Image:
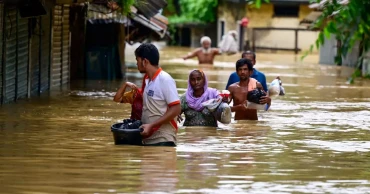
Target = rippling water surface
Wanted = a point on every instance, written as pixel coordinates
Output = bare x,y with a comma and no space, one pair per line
315,139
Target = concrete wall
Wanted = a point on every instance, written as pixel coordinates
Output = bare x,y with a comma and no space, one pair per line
366,65
276,38
328,51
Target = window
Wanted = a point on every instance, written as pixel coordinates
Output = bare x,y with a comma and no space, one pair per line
286,10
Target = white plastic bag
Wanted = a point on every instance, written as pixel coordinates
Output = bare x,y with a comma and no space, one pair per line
212,104
220,110
252,105
274,88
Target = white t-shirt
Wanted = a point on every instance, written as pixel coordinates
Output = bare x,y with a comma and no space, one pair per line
159,94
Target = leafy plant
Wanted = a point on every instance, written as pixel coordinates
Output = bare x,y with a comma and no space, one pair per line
349,23
194,11
126,5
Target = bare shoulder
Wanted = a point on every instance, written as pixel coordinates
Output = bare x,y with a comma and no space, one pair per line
233,86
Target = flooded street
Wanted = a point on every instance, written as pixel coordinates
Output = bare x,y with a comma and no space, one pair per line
316,139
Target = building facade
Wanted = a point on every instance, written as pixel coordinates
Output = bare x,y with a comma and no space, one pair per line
273,26
36,41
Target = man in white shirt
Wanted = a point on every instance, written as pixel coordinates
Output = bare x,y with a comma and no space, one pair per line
161,103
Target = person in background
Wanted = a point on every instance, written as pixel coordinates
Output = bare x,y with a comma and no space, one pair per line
206,53
161,105
229,43
191,102
239,90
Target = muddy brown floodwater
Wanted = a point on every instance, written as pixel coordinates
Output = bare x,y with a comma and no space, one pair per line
316,139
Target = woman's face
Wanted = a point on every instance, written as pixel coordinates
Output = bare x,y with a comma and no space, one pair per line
196,80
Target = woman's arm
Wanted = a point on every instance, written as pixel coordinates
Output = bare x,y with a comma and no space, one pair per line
121,91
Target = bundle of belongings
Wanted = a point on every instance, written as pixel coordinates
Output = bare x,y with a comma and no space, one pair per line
276,88
220,110
127,133
135,98
253,99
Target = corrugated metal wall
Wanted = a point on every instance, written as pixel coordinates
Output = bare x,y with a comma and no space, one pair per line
61,46
10,54
65,46
15,62
1,51
45,50
49,64
41,49
35,55
22,58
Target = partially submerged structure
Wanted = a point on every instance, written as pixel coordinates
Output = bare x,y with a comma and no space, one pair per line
44,44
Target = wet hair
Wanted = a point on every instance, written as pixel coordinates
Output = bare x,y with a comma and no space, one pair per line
148,51
242,62
249,53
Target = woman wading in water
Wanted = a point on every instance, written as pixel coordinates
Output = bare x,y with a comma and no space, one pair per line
191,102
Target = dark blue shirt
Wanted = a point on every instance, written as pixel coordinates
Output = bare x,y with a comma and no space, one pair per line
259,76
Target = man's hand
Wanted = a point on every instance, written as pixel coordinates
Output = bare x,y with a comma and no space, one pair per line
147,128
179,119
240,107
225,99
265,99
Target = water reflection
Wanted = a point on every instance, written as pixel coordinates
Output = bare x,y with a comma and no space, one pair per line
313,140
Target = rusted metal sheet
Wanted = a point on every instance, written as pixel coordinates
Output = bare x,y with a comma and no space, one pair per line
151,7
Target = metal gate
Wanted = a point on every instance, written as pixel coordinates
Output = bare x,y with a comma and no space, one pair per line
61,46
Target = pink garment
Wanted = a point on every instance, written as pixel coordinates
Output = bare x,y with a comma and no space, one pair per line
252,84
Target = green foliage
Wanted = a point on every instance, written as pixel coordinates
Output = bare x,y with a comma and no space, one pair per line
126,5
257,3
348,23
194,11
